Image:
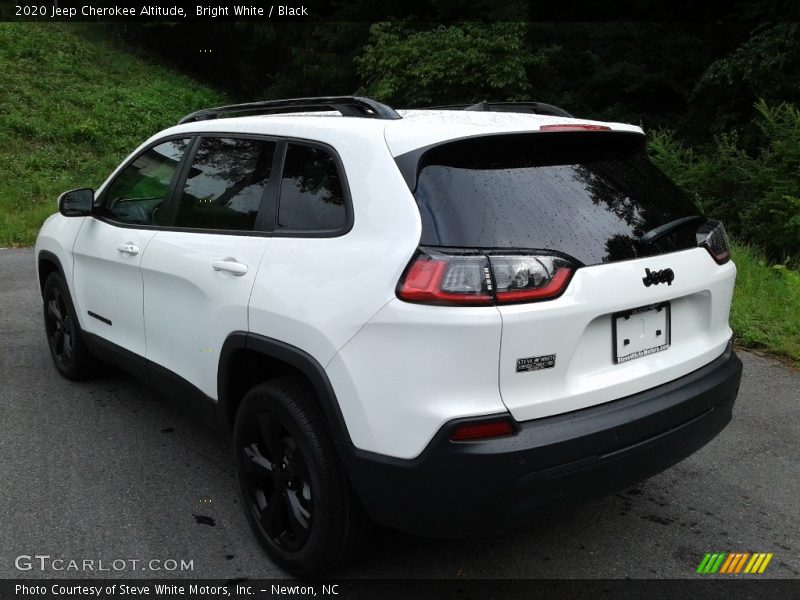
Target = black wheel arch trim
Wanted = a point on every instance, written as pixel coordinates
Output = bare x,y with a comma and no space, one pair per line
291,355
47,256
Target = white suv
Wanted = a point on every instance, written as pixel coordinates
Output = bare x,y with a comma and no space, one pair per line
444,321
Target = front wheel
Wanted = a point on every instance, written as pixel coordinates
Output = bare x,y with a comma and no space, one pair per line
294,492
69,353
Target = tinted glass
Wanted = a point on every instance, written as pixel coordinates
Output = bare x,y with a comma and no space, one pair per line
225,184
137,194
311,191
590,195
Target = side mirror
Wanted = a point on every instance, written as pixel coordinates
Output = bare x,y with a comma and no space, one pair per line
76,203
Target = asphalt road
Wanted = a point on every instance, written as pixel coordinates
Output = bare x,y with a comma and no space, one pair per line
108,470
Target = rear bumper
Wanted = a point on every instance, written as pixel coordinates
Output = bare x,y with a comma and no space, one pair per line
458,489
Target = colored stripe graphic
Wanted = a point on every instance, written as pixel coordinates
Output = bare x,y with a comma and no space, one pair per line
711,562
740,564
754,563
727,564
733,563
765,563
758,563
701,568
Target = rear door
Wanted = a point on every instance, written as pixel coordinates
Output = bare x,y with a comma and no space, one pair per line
632,315
198,274
109,248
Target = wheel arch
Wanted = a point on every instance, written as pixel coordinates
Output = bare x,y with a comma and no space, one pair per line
47,263
247,359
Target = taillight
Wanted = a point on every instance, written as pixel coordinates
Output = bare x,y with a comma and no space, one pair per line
482,278
438,278
481,431
526,278
711,236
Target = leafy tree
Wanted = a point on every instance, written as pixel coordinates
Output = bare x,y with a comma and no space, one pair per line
446,64
756,194
766,66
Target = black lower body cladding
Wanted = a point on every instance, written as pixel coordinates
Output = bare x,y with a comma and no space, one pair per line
458,489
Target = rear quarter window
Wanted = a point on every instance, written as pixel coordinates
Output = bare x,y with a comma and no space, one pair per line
311,192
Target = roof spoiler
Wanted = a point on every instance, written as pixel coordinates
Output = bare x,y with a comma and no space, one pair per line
537,108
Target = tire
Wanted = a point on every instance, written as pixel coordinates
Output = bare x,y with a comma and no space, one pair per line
64,337
293,490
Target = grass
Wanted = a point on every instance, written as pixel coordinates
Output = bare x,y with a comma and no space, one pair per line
766,305
74,104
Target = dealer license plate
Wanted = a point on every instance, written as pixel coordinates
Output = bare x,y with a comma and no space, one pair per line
641,332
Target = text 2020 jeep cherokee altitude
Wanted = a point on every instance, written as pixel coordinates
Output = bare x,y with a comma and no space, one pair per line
444,321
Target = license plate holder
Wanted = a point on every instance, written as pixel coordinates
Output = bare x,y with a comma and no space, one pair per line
640,332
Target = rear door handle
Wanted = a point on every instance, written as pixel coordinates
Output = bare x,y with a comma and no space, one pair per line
129,248
231,265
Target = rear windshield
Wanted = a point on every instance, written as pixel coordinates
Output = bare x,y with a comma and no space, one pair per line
590,195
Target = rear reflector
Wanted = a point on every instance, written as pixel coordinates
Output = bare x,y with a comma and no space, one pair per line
480,431
574,127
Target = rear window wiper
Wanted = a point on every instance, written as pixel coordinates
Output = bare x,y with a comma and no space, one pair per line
662,230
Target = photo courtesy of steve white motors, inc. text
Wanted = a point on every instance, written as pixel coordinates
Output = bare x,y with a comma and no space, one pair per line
200,10
171,589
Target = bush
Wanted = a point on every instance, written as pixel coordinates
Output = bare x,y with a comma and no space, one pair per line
758,195
766,305
447,64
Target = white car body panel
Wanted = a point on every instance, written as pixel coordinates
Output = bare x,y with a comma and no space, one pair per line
189,307
315,293
108,282
577,327
57,235
414,367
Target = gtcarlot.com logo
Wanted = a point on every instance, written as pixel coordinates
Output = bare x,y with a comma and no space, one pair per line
45,562
734,563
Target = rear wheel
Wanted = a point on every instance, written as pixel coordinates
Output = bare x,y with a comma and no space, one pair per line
70,355
294,492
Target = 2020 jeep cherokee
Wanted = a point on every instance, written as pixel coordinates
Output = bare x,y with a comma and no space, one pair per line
444,321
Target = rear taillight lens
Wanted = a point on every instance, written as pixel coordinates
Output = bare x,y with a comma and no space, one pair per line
529,278
437,278
711,236
482,278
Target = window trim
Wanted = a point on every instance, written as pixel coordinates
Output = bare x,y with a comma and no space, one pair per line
267,218
263,206
100,200
348,205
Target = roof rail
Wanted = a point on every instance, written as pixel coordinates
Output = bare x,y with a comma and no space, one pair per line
538,108
349,106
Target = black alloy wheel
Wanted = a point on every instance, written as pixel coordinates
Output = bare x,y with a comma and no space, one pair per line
294,491
60,327
64,337
277,483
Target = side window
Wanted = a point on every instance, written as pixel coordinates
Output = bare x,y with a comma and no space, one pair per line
137,194
225,184
311,191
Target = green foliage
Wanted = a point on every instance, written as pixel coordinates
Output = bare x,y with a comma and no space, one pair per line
74,105
766,304
321,65
756,195
765,66
447,64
